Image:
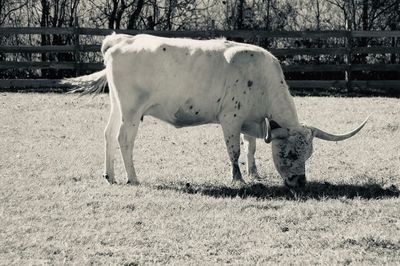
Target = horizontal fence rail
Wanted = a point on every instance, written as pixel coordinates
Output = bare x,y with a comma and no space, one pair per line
289,68
363,85
198,33
346,50
274,51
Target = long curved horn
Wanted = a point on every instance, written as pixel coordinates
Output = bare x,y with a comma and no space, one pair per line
318,133
267,130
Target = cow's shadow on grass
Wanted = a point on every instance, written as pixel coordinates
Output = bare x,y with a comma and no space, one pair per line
313,190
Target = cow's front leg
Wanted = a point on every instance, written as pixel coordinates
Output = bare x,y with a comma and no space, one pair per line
250,149
231,130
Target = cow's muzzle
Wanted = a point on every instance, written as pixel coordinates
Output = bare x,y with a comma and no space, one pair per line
296,181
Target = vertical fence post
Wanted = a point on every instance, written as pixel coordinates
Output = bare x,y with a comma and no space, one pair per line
77,54
348,61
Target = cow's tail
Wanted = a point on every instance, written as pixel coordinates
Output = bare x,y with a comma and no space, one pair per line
90,84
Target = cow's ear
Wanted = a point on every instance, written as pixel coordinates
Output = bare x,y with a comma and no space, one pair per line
274,125
271,126
280,133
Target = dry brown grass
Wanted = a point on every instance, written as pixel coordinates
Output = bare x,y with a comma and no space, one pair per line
56,209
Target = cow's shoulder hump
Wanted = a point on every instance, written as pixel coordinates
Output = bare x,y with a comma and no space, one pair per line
245,53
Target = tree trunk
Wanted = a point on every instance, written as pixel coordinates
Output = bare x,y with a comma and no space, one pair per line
395,26
44,20
113,14
169,14
268,22
119,14
318,15
363,42
240,10
364,15
135,15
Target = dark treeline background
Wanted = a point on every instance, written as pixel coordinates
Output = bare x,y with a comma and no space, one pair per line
179,15
199,14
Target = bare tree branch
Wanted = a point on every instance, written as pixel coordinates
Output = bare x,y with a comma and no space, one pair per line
5,16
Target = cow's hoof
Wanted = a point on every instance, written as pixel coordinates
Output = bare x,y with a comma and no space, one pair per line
238,183
132,182
256,179
109,179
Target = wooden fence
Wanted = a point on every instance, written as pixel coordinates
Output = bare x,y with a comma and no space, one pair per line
347,51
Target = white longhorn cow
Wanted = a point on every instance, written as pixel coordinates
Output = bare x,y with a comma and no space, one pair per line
189,82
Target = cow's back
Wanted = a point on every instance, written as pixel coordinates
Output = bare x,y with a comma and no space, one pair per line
187,81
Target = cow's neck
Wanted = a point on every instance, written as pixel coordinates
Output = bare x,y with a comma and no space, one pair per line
281,109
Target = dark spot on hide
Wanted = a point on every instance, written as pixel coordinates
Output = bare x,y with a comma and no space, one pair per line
191,107
233,98
141,119
234,115
219,99
197,113
164,49
251,54
281,81
237,81
239,105
249,83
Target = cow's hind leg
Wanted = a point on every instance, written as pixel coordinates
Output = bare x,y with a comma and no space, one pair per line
126,139
250,148
111,144
231,130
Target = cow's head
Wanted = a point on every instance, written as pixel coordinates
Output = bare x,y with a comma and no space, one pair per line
291,147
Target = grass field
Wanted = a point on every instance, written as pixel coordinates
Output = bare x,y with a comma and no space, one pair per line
56,209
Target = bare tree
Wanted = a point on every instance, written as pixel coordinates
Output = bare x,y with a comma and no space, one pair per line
268,15
57,13
112,10
115,13
367,14
135,14
240,11
119,13
8,7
